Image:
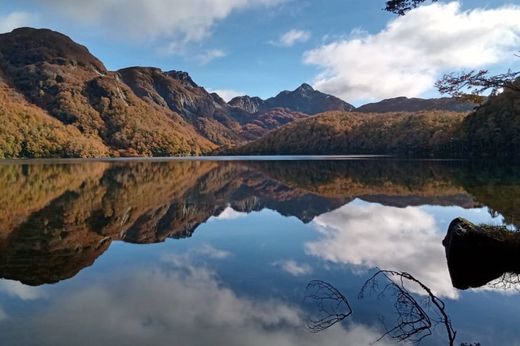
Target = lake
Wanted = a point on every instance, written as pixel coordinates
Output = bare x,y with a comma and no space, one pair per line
245,252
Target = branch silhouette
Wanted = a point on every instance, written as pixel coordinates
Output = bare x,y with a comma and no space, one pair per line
414,321
332,305
401,7
475,83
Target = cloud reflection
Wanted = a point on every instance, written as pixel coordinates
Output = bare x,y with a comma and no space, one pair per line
294,268
229,214
372,235
20,291
178,307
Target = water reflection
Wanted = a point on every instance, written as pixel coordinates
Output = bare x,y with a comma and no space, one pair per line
57,219
415,318
179,303
258,232
372,235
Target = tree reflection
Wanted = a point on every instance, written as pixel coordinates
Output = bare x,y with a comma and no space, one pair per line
57,219
416,317
332,306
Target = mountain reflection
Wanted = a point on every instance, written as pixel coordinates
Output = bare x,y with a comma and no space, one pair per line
57,219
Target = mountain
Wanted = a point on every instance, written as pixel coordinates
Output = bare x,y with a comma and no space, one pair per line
65,81
304,100
208,113
175,91
248,103
71,105
491,130
405,104
28,130
407,134
58,100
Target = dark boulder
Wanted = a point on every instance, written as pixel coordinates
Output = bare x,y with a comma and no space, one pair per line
478,255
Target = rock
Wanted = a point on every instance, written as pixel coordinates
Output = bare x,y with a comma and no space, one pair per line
478,255
247,103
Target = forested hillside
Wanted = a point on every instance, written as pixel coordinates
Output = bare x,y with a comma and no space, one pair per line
58,100
492,130
28,131
61,101
410,134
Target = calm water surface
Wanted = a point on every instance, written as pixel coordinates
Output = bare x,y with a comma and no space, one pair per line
221,253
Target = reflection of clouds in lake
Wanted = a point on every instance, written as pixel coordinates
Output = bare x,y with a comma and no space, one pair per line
177,308
211,252
372,235
294,268
229,214
21,291
196,255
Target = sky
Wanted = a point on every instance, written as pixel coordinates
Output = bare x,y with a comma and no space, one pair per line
349,48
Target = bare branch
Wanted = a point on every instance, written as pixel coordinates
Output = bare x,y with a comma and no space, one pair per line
332,306
414,323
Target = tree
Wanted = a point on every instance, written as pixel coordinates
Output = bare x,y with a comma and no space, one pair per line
474,83
464,84
416,317
332,306
400,7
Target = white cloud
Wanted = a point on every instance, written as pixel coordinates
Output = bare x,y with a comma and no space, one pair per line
198,255
211,252
373,235
227,95
179,21
172,307
3,315
292,37
294,268
210,55
228,213
15,20
410,53
21,291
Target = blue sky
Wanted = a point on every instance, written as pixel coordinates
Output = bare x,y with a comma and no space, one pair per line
236,46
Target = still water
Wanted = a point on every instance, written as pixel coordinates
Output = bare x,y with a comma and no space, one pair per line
222,252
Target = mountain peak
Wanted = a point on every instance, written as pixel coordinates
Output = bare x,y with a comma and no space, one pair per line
304,88
247,103
26,46
306,99
182,76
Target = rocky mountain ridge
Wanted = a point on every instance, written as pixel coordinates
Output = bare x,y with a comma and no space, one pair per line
140,111
303,99
61,101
